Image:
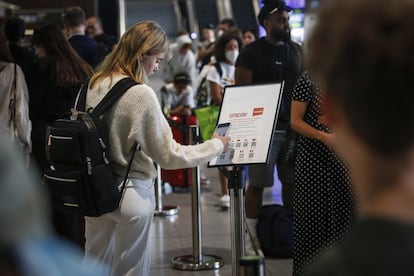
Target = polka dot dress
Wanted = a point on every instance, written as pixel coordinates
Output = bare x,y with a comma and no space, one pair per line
323,201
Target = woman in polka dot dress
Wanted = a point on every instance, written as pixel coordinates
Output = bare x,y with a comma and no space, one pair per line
323,201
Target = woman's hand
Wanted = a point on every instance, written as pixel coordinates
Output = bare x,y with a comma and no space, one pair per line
327,138
224,139
324,120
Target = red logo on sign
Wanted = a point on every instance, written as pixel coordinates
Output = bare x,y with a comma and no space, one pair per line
258,111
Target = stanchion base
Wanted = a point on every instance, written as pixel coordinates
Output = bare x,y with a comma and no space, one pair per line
188,262
167,211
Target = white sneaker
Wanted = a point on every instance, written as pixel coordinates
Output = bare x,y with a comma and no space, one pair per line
250,248
225,201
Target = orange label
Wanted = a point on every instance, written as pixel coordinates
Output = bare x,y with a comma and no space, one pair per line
258,111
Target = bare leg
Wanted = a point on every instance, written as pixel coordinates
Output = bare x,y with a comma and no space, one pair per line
223,183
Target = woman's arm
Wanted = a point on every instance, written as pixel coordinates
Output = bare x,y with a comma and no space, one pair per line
298,124
243,75
216,92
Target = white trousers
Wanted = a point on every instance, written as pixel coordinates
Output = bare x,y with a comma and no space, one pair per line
121,238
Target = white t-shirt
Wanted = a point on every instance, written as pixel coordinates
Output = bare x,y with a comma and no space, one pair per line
172,99
227,77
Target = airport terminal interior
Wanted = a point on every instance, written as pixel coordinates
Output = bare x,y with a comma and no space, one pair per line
172,235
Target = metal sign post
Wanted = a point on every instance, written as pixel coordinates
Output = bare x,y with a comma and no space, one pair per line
196,261
236,185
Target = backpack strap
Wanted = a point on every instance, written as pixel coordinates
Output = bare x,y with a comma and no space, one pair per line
113,95
80,104
218,68
133,150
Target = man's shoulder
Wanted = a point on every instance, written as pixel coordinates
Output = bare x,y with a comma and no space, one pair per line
255,44
295,46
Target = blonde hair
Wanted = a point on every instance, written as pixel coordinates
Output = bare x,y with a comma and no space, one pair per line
143,38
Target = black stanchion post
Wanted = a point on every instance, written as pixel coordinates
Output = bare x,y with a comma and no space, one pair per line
252,266
236,185
196,261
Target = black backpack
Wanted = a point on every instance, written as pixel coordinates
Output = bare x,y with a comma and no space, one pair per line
202,92
79,176
275,231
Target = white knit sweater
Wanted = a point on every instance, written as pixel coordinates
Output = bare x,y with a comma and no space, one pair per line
137,116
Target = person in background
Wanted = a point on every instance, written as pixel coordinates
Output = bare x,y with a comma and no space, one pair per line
207,45
225,25
14,30
14,100
273,58
369,104
121,238
177,97
226,52
323,202
94,29
54,81
208,35
183,59
249,35
28,246
75,27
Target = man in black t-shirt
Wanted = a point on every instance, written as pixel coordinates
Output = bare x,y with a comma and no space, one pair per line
273,58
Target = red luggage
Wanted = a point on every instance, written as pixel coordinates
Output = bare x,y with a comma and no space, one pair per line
180,129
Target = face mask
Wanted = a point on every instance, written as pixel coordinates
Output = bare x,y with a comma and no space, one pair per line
232,56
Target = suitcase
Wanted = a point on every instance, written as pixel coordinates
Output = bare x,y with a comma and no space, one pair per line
180,129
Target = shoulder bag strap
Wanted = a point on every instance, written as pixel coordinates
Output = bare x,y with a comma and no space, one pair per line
134,149
12,104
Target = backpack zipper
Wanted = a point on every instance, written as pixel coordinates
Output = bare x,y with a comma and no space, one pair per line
104,151
72,180
49,140
89,165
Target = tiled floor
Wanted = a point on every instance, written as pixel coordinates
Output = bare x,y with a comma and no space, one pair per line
172,235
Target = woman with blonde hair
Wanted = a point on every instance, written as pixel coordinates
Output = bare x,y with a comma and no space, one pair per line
121,238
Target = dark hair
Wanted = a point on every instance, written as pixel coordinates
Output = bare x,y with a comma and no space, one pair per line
369,70
208,26
230,22
65,64
219,51
271,6
5,54
182,78
14,29
251,30
73,16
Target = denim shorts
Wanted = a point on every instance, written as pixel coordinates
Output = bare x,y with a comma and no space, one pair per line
261,175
